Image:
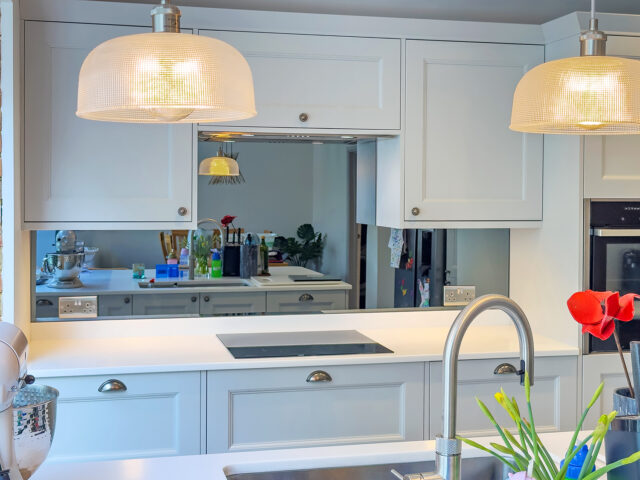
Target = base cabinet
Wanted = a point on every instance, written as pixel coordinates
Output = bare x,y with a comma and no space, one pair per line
284,408
598,368
554,395
157,415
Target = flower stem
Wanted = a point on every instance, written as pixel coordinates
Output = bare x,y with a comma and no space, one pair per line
624,364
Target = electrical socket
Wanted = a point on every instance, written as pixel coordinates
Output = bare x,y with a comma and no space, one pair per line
457,295
78,307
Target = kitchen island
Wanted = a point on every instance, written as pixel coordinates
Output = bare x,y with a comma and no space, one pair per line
119,295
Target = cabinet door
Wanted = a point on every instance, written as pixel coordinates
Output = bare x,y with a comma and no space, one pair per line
597,368
157,415
166,304
280,408
612,162
81,171
554,395
114,305
461,160
337,82
232,303
306,301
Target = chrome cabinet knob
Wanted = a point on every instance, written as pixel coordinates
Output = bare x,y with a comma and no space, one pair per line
303,117
111,386
415,211
127,300
182,211
305,297
319,376
194,299
206,299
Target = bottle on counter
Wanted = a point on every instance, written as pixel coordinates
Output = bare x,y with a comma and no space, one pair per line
216,264
248,258
264,258
184,257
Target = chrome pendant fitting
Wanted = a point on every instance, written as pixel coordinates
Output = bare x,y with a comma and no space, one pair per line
166,18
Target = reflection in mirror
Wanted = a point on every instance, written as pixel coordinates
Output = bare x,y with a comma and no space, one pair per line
284,240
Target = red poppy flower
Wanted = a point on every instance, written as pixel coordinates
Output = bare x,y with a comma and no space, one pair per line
596,311
227,219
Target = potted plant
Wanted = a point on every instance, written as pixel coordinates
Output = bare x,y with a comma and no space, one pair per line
526,455
300,251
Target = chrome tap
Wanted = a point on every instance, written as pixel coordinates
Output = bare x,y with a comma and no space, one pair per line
190,235
448,447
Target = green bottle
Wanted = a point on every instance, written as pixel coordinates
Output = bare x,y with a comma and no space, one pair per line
264,254
216,264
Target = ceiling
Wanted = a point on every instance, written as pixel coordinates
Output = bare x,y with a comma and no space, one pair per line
516,11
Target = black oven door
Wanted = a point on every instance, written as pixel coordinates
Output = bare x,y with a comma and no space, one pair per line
615,266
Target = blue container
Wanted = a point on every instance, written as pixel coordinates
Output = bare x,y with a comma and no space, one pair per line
573,472
162,271
174,271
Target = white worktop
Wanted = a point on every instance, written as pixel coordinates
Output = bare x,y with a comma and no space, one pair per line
114,282
126,346
215,467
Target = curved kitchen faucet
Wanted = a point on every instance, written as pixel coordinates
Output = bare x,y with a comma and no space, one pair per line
192,257
448,447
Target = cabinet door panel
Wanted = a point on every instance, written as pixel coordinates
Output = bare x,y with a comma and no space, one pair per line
310,301
80,170
277,408
339,82
232,303
612,162
166,304
158,415
597,368
461,160
554,395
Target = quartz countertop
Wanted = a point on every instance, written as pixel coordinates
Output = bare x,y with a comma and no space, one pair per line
217,466
114,282
126,346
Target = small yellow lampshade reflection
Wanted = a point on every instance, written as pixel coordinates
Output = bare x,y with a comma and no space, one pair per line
219,166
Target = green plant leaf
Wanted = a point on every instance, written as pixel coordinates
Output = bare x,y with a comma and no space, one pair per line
489,451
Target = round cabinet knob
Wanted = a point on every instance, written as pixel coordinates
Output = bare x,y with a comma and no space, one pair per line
111,386
182,211
194,299
415,211
206,299
303,117
127,300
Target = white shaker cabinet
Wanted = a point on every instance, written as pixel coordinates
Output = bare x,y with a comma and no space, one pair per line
612,162
554,395
159,414
598,368
321,82
80,173
312,406
462,163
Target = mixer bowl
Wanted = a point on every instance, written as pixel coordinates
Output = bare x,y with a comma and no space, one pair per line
65,267
34,423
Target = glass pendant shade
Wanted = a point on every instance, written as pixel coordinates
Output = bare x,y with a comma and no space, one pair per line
165,77
220,166
587,95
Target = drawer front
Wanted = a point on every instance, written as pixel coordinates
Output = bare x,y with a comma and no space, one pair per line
166,304
115,305
278,408
232,303
311,81
46,306
554,395
157,415
306,301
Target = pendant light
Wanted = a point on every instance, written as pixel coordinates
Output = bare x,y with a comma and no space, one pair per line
165,77
587,95
222,168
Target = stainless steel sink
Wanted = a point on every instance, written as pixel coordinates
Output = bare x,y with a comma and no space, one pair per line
482,468
223,282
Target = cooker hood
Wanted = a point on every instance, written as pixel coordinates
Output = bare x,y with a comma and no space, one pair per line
211,136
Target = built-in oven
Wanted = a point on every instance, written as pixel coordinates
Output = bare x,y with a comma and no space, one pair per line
614,262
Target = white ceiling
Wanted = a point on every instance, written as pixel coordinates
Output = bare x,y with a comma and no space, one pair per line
517,11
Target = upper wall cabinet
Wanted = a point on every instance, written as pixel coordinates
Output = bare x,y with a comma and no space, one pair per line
462,163
612,162
310,81
81,172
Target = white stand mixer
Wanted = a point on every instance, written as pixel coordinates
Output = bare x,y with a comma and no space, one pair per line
27,412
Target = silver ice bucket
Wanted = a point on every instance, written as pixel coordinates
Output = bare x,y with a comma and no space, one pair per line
34,423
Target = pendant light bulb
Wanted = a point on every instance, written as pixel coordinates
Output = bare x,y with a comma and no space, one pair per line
592,94
165,77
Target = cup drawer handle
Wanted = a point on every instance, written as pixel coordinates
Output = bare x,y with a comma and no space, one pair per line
112,385
44,301
305,297
506,369
319,376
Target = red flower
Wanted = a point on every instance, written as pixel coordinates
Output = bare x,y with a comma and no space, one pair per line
227,219
596,311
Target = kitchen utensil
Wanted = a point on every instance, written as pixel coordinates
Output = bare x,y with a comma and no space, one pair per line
635,366
65,241
89,257
64,268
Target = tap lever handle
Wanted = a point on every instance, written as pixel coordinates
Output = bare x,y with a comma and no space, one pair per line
395,473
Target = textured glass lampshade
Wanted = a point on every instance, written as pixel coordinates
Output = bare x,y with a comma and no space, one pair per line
165,77
219,166
588,95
